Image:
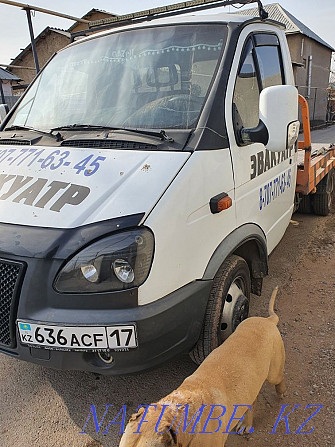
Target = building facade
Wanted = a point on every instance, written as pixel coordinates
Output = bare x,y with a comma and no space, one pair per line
48,42
311,59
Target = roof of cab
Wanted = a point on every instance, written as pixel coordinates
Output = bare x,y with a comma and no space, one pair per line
184,18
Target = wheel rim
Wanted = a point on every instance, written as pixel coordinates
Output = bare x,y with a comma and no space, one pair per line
235,308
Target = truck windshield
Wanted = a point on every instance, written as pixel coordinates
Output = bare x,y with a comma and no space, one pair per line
143,78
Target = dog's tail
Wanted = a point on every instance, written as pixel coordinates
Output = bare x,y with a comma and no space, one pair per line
273,316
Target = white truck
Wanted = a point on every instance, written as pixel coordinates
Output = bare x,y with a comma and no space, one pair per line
146,175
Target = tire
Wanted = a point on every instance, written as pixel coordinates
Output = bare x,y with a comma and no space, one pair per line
305,205
322,199
227,306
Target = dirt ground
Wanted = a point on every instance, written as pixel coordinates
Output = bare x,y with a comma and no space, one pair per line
42,407
304,267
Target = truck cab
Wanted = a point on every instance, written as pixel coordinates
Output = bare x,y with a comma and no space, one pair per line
146,175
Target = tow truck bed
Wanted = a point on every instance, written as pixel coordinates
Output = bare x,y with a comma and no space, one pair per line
314,160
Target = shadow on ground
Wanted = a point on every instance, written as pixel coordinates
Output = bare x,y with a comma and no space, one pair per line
132,390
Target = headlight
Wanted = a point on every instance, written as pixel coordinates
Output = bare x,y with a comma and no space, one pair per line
117,262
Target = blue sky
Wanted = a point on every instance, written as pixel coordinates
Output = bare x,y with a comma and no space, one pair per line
317,15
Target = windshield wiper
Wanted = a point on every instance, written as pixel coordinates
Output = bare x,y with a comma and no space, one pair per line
162,134
79,127
57,136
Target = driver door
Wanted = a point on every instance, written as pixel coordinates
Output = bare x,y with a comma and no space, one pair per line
264,183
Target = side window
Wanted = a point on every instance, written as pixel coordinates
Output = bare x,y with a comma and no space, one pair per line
246,93
270,67
260,67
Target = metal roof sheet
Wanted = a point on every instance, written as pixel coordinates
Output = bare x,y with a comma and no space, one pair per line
6,75
89,13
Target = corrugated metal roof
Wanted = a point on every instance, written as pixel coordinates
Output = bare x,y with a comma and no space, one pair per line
89,13
61,31
102,10
293,25
6,75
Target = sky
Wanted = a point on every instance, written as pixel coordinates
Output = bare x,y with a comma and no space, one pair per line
14,34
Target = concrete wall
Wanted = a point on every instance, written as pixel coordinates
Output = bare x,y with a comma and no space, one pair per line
8,93
6,87
301,47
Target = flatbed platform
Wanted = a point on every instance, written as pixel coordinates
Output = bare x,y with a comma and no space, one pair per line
319,150
315,160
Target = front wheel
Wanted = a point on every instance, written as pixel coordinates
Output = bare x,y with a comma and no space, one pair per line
227,306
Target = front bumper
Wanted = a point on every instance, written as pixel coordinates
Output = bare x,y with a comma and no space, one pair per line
165,328
31,257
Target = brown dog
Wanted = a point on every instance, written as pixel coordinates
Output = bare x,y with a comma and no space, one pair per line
218,393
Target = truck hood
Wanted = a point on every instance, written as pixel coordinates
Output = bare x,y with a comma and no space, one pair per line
57,188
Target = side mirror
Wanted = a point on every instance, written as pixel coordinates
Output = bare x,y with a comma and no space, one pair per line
278,127
3,112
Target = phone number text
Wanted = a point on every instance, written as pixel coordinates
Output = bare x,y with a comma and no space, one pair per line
274,188
50,160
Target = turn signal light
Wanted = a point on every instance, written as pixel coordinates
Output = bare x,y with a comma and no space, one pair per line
220,202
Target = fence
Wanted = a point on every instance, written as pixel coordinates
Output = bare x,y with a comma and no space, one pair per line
11,100
319,103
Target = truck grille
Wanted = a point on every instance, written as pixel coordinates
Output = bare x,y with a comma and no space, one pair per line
10,281
10,142
110,144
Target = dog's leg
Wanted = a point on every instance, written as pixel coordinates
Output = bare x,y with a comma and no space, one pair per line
277,365
281,389
245,426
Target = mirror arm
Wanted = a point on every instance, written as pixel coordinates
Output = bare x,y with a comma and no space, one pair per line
257,134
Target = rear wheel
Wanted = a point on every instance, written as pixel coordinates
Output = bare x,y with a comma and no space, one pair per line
305,205
322,199
228,305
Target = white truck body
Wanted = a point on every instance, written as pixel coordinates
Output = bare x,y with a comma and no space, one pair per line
83,194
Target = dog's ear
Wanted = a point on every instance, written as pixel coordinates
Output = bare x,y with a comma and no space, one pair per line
173,436
135,416
170,437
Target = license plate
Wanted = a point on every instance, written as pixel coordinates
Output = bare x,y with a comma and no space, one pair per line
78,338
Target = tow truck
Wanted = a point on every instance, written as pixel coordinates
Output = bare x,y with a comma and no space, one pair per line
147,174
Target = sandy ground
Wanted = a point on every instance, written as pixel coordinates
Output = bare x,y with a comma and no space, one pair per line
43,407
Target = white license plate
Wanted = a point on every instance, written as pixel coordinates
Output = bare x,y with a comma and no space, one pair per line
78,338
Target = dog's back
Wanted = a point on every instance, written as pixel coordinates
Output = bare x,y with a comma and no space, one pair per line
232,374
